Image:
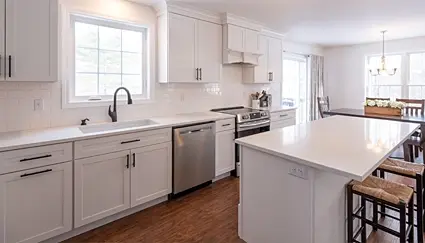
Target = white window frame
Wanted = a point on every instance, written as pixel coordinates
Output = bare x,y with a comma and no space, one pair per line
405,72
69,100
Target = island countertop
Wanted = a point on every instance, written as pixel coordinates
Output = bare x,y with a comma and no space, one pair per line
348,146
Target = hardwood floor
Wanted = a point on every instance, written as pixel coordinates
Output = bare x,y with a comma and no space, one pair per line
208,215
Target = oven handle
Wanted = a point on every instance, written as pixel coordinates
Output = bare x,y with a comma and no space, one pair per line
255,124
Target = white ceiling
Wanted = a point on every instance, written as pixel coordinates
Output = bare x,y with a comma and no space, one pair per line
327,22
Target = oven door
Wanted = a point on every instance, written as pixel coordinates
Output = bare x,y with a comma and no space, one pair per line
248,129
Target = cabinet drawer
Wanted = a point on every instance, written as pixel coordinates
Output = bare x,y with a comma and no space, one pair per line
282,123
98,146
23,159
282,115
224,125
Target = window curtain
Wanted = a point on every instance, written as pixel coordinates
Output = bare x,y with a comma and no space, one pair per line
317,84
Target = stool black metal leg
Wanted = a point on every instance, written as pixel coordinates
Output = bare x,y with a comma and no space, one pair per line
382,175
403,224
363,221
411,212
419,207
350,214
375,208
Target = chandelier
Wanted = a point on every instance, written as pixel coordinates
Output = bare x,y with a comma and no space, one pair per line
382,70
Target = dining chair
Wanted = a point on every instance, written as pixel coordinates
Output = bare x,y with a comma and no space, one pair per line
323,105
414,107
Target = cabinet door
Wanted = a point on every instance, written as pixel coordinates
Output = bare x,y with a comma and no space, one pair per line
251,41
32,40
282,124
235,38
210,52
224,152
182,36
2,35
102,186
36,204
275,53
261,73
151,173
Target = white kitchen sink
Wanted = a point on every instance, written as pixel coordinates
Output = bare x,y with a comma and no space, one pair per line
116,126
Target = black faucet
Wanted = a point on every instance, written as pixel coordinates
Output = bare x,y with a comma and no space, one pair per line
113,114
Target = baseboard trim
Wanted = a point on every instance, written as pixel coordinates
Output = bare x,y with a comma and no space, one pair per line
107,220
220,177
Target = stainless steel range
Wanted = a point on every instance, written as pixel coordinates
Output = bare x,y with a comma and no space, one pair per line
248,122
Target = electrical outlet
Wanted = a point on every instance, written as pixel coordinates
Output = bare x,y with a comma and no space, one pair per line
38,104
300,172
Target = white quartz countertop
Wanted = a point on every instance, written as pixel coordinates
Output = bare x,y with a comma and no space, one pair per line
348,146
279,108
22,139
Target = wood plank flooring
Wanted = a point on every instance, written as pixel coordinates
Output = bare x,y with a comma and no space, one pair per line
208,216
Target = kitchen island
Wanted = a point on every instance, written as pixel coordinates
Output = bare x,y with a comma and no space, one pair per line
292,186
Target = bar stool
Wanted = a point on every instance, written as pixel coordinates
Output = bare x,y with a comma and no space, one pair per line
408,170
377,190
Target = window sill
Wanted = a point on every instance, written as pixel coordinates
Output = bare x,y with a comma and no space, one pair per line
103,103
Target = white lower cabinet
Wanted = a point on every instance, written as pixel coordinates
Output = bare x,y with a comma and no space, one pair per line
151,173
36,204
282,124
111,183
224,152
102,186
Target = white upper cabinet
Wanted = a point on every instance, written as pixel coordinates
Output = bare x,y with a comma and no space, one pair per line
251,41
189,49
235,38
182,47
31,40
269,67
2,46
209,51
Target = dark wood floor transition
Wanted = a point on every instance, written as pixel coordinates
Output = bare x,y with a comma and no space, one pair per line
209,215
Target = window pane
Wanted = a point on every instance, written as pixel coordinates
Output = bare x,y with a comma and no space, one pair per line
86,35
110,39
85,84
110,62
417,68
132,63
108,83
86,60
415,92
133,83
132,41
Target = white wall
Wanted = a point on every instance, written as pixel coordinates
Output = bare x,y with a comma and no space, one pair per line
345,69
17,99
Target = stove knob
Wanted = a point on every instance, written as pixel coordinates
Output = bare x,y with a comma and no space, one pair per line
245,117
264,114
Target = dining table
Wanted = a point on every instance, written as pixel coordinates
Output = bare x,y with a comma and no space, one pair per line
410,118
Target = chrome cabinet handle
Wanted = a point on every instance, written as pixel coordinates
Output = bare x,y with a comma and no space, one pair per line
197,74
271,76
201,74
36,173
284,115
128,161
134,160
226,125
132,141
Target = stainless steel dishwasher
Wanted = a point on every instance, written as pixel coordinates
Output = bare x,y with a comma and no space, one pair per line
193,156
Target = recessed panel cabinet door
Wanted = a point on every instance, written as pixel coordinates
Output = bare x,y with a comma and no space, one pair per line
210,57
275,59
224,152
182,39
2,34
102,186
36,204
32,40
151,173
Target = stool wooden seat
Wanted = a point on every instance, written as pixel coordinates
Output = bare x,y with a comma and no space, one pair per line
409,170
377,190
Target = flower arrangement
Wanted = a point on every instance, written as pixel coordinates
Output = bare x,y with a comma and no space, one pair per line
385,104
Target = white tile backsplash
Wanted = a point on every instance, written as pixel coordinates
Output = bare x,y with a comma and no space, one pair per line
17,102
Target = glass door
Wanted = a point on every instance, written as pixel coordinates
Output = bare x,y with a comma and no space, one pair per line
295,86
